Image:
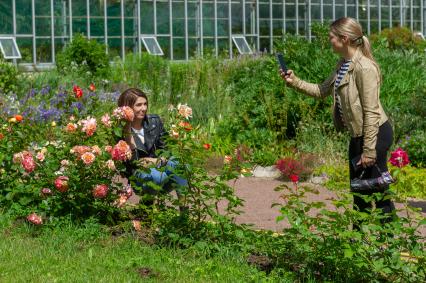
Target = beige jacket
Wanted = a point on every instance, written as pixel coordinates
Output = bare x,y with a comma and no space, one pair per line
359,95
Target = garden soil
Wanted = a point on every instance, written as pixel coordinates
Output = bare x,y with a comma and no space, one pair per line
259,194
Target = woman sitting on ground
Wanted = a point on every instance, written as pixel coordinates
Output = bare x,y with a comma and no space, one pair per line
145,135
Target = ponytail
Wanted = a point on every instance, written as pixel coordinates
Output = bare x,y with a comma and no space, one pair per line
365,47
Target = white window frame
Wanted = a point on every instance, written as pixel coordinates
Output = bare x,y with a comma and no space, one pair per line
143,37
14,46
234,39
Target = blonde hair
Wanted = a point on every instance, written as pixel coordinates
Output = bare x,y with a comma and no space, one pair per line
352,29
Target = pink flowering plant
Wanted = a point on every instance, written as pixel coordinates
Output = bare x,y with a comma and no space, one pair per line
68,167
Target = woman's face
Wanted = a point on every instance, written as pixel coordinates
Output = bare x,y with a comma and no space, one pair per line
140,107
337,43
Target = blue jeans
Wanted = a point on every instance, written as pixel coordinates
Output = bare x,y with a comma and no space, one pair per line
164,178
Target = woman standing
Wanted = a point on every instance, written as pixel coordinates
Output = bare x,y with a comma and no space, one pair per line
355,86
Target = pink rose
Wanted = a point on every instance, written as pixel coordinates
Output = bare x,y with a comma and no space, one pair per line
35,219
100,191
61,184
399,158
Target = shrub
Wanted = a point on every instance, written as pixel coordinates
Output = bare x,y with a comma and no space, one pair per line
8,77
400,38
410,181
84,56
415,145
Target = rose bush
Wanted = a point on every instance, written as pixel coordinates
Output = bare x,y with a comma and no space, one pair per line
70,166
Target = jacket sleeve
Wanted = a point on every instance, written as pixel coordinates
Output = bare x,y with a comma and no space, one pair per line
161,143
315,90
367,82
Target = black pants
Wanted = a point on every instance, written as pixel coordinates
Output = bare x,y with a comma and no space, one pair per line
384,141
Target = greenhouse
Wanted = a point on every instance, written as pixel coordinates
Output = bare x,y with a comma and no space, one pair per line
32,32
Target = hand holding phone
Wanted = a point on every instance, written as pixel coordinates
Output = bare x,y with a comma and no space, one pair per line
281,61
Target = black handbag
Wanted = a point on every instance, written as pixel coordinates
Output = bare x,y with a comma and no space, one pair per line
373,184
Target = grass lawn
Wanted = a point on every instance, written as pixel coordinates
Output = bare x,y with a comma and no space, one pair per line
86,254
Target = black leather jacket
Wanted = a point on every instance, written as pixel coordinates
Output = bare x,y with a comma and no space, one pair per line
154,134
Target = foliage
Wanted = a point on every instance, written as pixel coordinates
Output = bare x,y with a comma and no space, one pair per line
415,145
201,218
83,56
400,38
319,244
410,181
8,77
337,175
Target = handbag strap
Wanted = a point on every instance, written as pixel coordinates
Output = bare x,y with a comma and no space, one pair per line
375,165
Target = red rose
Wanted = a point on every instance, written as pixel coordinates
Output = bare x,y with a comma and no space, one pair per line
207,146
92,87
77,91
294,178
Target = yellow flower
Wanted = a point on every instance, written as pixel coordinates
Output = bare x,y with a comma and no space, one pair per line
12,120
53,124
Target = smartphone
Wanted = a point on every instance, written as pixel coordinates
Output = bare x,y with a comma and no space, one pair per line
281,61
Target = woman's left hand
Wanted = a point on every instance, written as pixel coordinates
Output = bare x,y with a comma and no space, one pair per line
366,161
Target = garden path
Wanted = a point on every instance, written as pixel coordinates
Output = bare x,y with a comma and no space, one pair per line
258,195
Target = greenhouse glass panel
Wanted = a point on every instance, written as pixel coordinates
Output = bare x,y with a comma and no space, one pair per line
147,18
79,8
208,10
163,18
6,23
114,8
43,26
96,8
192,27
130,8
79,25
222,11
23,17
222,28
25,48
178,49
178,27
151,45
277,11
97,27
178,10
242,45
192,10
44,50
263,11
208,27
130,27
8,48
114,27
114,48
42,7
130,45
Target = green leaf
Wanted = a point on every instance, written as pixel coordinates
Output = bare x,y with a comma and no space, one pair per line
348,252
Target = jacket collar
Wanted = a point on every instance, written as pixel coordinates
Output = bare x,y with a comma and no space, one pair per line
357,56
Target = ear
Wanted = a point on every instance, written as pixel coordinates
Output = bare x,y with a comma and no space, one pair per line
345,39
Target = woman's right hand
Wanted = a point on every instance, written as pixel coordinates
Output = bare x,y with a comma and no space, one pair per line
288,77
